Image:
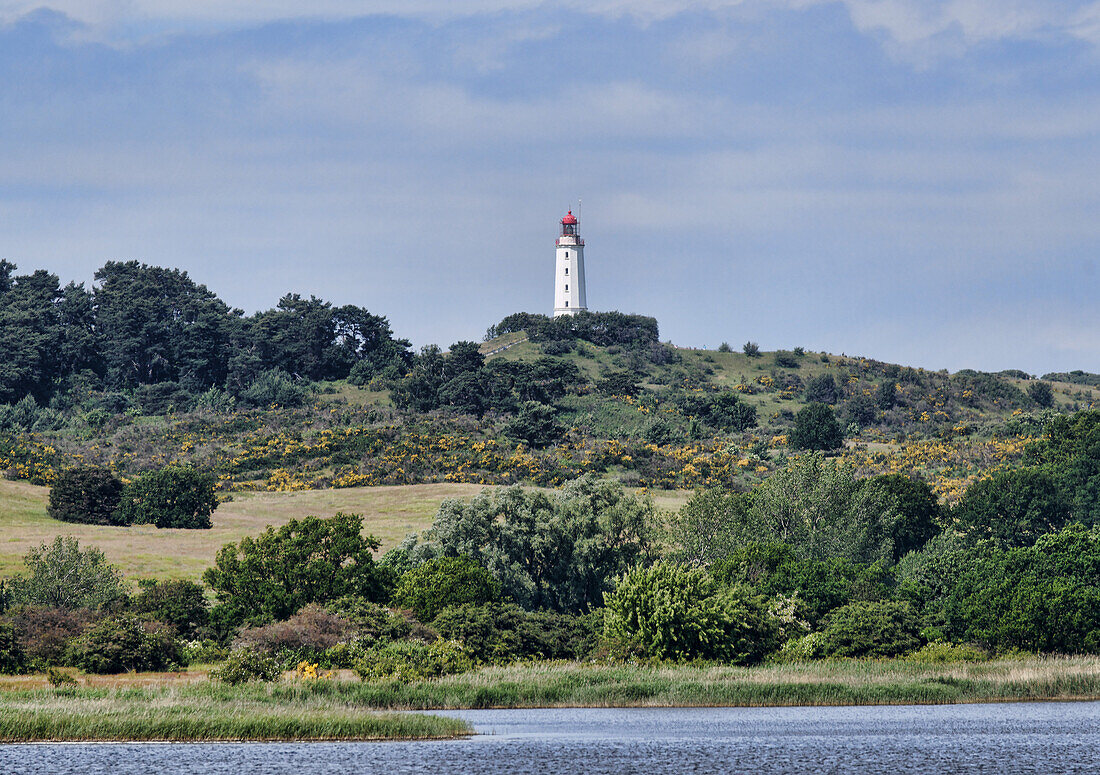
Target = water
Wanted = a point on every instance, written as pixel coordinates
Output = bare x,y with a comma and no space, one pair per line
1044,738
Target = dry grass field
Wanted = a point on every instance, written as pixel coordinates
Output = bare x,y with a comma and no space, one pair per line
143,551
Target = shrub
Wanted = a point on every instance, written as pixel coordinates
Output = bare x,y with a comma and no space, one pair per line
311,560
536,424
312,629
12,658
751,349
1015,507
725,348
867,629
274,388
59,678
45,632
371,620
503,632
124,643
413,660
786,360
62,575
941,651
618,383
816,428
244,665
87,494
809,646
822,389
918,510
179,603
668,612
442,582
173,497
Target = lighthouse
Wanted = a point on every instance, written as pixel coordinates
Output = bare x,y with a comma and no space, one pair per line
569,298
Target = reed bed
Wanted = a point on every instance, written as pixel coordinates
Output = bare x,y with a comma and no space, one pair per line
853,682
192,713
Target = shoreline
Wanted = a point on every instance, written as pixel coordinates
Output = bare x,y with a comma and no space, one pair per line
186,708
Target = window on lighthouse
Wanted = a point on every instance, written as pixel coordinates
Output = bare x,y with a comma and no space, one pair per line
567,254
567,288
567,270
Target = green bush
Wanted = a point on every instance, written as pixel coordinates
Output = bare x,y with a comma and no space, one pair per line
244,665
668,612
444,581
173,497
87,494
1015,507
124,644
414,660
816,428
45,632
12,658
941,651
503,632
179,603
536,424
751,349
871,629
274,388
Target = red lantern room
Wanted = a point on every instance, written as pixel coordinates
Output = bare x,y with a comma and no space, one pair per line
569,225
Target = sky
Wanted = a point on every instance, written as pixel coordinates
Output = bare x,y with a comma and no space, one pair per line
916,181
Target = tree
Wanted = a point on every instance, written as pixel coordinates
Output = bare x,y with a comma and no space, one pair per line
536,424
311,560
669,612
124,643
885,628
178,602
751,349
556,551
87,494
63,575
816,428
710,526
1041,393
886,397
618,383
173,497
444,581
917,507
821,511
1015,507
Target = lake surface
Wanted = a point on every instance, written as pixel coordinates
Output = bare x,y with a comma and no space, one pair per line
1016,738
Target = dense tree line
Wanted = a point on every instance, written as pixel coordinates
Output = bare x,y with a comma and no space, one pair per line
156,331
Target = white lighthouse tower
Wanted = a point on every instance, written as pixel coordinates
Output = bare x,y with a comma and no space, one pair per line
569,298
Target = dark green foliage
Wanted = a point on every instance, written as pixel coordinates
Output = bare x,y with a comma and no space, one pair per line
27,415
125,644
822,389
1015,507
985,387
751,349
786,360
311,560
871,629
536,424
303,635
858,409
618,383
503,632
1077,377
725,348
245,665
414,660
1043,597
917,508
444,581
178,603
816,427
547,550
274,387
886,396
12,658
669,612
710,526
1042,393
87,494
172,497
818,586
721,409
62,575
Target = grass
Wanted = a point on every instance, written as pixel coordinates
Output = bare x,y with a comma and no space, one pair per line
822,683
205,712
143,551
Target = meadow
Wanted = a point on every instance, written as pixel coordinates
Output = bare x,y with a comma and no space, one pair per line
143,551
